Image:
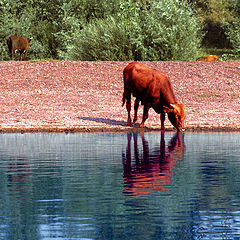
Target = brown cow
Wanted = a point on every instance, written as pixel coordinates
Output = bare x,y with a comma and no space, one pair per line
209,58
154,90
20,44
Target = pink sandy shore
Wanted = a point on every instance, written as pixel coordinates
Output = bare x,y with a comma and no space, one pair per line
76,96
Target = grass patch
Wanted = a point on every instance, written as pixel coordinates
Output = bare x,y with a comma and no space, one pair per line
209,95
224,54
44,60
203,95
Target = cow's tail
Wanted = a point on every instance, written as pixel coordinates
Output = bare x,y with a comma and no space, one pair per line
125,79
9,43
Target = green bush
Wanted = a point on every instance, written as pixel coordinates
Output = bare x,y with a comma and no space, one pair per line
162,30
10,27
102,29
76,14
171,31
103,39
232,31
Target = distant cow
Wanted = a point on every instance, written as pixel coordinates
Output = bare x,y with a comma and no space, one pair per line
20,44
154,90
209,58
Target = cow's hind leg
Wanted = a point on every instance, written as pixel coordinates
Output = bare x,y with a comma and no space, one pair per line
128,106
12,54
136,105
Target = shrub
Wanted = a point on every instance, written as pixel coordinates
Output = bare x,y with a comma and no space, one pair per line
9,25
103,39
172,32
76,14
161,30
233,33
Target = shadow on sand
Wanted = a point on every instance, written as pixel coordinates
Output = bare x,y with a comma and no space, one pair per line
104,120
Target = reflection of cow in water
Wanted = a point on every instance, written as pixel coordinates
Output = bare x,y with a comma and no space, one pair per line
151,172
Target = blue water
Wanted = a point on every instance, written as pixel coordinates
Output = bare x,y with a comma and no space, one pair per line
119,186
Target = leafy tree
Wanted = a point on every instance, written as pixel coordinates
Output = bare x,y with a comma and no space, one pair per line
11,21
103,29
45,24
172,31
213,14
159,30
232,29
76,14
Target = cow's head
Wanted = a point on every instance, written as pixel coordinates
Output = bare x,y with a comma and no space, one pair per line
176,115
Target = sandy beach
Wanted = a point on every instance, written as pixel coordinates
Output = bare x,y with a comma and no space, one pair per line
75,96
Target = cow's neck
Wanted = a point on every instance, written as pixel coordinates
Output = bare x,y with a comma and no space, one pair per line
169,97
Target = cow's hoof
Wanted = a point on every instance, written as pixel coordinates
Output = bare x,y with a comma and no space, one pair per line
134,120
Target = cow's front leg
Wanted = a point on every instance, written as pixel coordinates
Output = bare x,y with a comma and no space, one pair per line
136,105
25,55
162,121
145,114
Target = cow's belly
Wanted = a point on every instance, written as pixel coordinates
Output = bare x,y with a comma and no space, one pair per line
157,105
158,109
138,93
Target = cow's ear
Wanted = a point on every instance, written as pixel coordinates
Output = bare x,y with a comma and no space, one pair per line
30,39
167,109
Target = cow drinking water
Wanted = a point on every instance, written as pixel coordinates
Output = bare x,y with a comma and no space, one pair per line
154,90
20,44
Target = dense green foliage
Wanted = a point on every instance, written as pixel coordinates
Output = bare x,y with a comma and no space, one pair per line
120,29
164,30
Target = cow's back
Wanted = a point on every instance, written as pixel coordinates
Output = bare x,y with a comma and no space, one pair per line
141,80
137,77
21,43
209,58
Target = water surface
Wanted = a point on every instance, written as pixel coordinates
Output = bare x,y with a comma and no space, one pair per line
120,186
